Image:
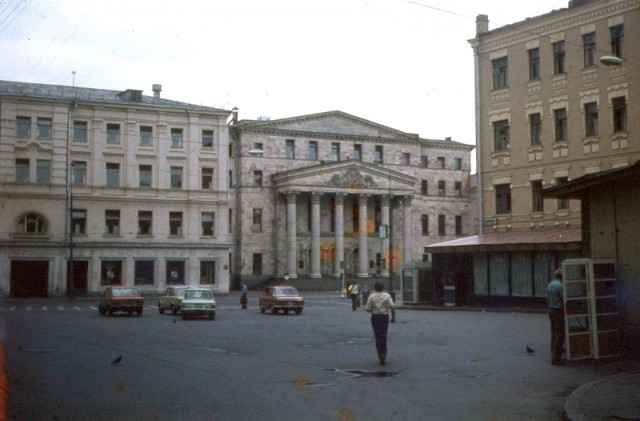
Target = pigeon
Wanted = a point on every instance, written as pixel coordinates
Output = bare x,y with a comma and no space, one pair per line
117,361
174,320
530,350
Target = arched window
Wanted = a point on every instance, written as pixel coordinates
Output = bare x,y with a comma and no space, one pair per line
32,223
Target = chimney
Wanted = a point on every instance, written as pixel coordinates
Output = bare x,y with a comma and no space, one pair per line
482,24
157,88
234,113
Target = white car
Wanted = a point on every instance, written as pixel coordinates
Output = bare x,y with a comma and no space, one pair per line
172,299
198,302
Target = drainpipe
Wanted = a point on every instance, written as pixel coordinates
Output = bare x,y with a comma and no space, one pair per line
235,135
69,227
478,127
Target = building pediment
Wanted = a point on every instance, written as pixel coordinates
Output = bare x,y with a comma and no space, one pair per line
348,177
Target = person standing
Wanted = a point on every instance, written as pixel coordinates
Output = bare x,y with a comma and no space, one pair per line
379,304
555,303
354,293
243,296
365,293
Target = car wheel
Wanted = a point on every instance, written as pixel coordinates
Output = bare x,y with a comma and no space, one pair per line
174,309
160,309
274,311
110,311
101,310
213,316
139,312
262,309
298,310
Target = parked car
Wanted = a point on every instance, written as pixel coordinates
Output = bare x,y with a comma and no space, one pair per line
284,298
172,299
121,299
198,302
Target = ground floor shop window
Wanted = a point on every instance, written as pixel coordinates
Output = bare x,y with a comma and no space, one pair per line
208,272
144,272
175,272
111,273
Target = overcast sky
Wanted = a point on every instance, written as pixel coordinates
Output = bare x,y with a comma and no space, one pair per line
404,64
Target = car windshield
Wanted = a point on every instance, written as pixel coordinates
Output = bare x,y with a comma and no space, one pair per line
285,291
198,293
124,292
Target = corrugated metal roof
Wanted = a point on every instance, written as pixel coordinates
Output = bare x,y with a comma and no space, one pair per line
543,239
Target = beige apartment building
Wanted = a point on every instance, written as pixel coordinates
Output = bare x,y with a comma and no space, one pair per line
547,111
322,194
101,187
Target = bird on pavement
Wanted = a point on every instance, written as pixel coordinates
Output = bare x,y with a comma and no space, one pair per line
530,350
117,361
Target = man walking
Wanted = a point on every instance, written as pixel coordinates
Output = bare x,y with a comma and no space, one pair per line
355,294
556,317
379,304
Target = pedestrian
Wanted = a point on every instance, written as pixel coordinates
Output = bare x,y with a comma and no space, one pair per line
379,304
365,293
556,317
354,294
243,296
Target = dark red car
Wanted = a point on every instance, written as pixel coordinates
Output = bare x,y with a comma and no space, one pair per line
121,299
283,298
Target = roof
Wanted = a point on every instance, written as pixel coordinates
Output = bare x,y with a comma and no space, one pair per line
580,186
518,240
70,93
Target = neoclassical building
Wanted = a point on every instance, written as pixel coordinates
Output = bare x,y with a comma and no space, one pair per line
322,193
102,187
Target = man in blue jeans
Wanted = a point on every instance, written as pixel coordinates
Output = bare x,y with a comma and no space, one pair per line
379,304
556,317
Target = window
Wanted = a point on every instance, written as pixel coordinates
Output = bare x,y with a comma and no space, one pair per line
355,217
617,40
112,221
591,119
144,272
257,264
111,272
313,150
146,135
176,138
207,139
441,188
230,178
619,105
257,178
22,170
537,204
563,204
501,135
335,152
176,177
230,221
357,152
290,149
535,129
144,175
79,131
442,229
406,158
175,272
113,174
257,220
79,221
44,128
534,64
31,223
503,199
207,272
175,223
424,221
113,133
424,187
207,219
500,69
589,49
424,161
560,119
207,178
440,163
145,222
457,163
459,225
23,126
43,171
378,154
79,169
457,189
558,58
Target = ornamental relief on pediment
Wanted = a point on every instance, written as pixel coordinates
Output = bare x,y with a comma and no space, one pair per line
352,179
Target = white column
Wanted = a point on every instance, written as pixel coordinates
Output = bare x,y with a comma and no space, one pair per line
384,242
291,235
363,260
315,235
406,224
339,234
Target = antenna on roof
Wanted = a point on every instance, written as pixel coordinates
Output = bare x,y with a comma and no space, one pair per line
73,80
